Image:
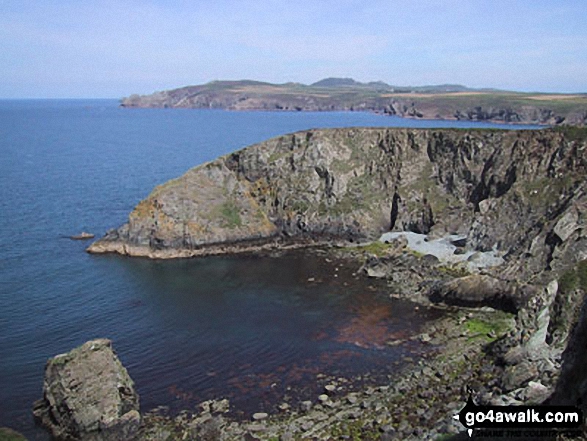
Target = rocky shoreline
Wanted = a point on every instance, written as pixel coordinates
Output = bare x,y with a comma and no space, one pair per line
501,358
503,212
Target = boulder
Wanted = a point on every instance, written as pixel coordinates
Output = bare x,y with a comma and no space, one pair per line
88,395
480,290
8,434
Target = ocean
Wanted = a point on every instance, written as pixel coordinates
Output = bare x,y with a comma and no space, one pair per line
250,328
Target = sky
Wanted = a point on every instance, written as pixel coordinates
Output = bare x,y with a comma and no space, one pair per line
114,48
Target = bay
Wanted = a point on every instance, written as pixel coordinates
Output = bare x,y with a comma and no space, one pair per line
186,330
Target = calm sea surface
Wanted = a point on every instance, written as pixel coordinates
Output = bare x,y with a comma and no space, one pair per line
245,328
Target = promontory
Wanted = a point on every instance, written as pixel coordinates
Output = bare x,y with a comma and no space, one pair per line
448,102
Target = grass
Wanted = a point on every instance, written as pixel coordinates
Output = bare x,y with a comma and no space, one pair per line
230,214
488,330
573,133
574,278
377,248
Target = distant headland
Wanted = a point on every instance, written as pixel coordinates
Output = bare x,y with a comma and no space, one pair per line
446,101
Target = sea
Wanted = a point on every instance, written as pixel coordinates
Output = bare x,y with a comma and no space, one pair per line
258,330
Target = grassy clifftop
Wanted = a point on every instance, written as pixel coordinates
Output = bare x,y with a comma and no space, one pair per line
430,102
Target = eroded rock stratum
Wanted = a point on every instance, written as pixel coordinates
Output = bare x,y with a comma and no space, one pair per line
88,395
521,192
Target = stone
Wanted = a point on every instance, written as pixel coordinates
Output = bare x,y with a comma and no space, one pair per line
8,434
479,290
305,406
220,406
329,388
260,416
567,225
82,236
88,395
376,272
323,398
425,338
518,375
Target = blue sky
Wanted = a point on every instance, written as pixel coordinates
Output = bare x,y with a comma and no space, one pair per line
112,48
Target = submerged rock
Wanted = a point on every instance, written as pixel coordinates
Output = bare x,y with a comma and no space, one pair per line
82,236
7,434
88,395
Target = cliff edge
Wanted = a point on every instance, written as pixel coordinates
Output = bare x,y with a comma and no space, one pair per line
519,192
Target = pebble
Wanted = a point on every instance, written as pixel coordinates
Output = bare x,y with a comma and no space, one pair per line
323,398
260,416
306,405
330,388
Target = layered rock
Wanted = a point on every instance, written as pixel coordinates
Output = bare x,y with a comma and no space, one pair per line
88,395
520,192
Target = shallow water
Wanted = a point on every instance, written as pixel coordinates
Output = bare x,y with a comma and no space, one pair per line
187,330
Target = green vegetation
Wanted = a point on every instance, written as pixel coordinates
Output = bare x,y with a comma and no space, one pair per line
488,330
230,214
355,431
572,133
377,248
7,434
454,271
575,278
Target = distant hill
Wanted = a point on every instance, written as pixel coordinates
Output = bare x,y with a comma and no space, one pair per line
338,82
444,101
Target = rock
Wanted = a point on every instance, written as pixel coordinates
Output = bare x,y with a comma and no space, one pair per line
323,398
306,406
535,393
430,259
479,290
220,406
425,338
567,225
260,416
376,273
82,236
7,434
518,375
329,388
88,395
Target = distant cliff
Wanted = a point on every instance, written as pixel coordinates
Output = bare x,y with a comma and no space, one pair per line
451,102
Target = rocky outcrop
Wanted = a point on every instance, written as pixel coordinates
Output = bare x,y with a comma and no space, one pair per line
88,395
481,290
516,192
7,434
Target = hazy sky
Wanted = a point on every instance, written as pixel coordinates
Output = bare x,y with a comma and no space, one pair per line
112,48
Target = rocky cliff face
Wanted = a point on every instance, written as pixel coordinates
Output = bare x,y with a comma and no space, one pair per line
88,395
519,193
522,193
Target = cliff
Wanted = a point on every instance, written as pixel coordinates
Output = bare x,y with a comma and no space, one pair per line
520,192
517,193
449,102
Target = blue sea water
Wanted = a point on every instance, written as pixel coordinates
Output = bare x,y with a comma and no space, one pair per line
186,330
